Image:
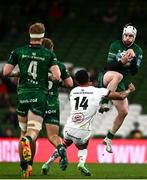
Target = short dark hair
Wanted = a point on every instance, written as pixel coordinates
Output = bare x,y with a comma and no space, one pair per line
82,76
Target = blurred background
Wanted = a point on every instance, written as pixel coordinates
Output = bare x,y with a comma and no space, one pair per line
82,31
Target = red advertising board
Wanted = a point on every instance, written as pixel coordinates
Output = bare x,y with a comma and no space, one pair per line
124,151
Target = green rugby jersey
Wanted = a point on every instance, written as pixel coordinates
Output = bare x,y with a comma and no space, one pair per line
116,50
53,86
34,62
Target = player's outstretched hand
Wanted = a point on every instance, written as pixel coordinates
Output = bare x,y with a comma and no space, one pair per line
131,87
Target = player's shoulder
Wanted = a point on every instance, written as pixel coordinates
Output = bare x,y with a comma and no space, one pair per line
61,65
46,50
116,42
20,48
136,46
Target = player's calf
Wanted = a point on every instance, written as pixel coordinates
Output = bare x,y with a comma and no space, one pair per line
26,149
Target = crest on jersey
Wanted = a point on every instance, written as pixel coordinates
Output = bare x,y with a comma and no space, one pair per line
78,117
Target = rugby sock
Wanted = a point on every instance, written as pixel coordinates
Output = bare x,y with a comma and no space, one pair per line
30,162
23,164
61,150
110,135
82,155
29,138
53,157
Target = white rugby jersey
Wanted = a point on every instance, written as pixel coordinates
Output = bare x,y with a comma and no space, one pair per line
84,102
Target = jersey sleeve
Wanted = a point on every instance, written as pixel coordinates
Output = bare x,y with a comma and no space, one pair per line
103,92
135,64
53,59
13,58
112,53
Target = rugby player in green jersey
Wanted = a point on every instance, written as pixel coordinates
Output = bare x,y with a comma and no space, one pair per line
34,62
52,114
124,58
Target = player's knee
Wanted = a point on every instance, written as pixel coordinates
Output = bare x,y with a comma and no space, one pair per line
34,125
123,113
118,77
53,137
23,126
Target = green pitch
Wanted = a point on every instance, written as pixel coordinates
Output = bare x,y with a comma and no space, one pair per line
99,171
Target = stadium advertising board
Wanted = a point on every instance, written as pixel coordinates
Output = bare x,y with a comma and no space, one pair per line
124,151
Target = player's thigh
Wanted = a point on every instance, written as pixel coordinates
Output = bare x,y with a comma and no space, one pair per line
22,120
121,105
23,104
34,121
78,136
38,102
110,75
52,113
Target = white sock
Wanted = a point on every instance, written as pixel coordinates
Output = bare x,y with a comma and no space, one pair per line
53,157
82,155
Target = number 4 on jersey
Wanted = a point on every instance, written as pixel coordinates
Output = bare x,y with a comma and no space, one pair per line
83,103
32,70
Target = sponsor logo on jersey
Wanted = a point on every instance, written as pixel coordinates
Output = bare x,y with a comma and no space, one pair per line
28,100
78,117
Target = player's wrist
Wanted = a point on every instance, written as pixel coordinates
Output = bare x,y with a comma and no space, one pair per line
122,62
128,91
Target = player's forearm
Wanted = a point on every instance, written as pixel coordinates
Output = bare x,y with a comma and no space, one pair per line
119,95
125,93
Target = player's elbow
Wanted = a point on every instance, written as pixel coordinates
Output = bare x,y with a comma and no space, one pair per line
56,76
122,97
68,82
7,69
55,72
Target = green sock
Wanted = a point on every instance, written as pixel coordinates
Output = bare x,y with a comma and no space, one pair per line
23,164
30,162
60,149
110,135
29,138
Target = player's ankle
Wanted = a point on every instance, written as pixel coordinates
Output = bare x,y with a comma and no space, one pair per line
110,135
23,164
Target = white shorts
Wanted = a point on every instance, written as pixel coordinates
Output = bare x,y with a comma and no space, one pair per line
78,136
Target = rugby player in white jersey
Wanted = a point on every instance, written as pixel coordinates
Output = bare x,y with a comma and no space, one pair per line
84,102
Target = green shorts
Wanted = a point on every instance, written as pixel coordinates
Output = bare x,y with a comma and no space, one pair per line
52,113
33,101
121,86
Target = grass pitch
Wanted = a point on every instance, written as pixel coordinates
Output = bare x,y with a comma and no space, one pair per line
99,171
